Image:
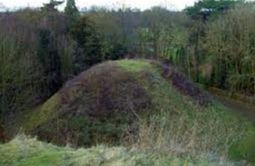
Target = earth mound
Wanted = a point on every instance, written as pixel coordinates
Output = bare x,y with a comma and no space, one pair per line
106,102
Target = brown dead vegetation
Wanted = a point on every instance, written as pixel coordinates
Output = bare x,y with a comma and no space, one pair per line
99,105
105,103
184,85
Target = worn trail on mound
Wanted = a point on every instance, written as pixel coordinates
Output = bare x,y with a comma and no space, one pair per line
184,85
238,107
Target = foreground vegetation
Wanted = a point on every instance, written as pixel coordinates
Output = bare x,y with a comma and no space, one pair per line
25,151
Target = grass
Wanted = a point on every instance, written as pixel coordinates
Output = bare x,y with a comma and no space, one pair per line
37,117
27,120
24,151
134,65
173,126
184,127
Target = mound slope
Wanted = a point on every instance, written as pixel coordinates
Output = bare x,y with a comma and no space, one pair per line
105,103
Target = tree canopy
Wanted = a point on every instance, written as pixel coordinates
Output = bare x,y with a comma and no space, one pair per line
71,10
204,8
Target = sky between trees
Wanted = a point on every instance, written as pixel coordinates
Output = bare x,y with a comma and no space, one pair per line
141,4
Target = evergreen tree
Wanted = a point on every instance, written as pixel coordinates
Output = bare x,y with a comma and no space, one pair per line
88,40
205,8
71,9
51,6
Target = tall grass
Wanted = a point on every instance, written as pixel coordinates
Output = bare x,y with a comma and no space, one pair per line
180,126
25,151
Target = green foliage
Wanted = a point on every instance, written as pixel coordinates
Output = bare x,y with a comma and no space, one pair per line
89,42
17,62
244,149
51,6
205,8
58,49
228,43
49,58
189,44
35,118
71,9
110,28
134,65
160,31
38,54
41,49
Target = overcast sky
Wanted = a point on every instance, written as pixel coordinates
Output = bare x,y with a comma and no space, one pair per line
142,4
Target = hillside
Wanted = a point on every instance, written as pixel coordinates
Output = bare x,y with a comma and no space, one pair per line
143,104
106,102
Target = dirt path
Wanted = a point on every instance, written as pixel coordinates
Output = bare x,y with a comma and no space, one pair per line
186,87
239,107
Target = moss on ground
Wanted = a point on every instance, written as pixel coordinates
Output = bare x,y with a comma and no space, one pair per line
37,117
135,65
244,148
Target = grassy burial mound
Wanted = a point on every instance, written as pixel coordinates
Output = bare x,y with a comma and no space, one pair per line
145,104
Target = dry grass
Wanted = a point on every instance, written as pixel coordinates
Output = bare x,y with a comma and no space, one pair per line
24,151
